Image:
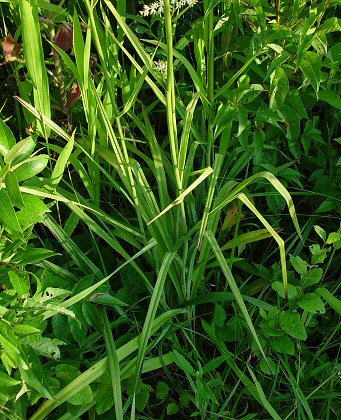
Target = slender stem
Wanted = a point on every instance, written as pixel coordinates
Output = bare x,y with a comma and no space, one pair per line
209,43
170,106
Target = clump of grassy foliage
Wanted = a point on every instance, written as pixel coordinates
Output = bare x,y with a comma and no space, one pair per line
169,241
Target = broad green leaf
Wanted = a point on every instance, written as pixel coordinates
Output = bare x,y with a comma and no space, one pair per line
162,390
91,315
333,237
12,188
7,213
274,366
31,167
20,282
332,24
44,346
283,344
142,398
331,97
106,299
62,161
21,150
279,86
7,140
172,409
22,329
299,265
219,316
310,302
279,288
311,67
291,323
31,256
312,277
321,232
6,380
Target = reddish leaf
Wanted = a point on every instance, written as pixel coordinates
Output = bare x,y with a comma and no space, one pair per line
11,49
74,96
63,39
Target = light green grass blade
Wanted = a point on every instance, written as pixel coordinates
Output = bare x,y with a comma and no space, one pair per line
248,238
62,161
242,197
262,396
235,290
211,189
181,197
54,127
333,301
114,365
223,200
34,57
185,135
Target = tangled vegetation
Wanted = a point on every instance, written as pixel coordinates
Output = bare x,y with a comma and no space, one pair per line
170,209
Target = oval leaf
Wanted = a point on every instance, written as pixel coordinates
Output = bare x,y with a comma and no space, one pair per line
62,161
291,323
31,167
7,140
311,303
21,150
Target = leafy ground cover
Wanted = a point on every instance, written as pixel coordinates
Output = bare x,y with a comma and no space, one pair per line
170,209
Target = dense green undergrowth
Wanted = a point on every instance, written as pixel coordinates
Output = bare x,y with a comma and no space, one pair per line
170,209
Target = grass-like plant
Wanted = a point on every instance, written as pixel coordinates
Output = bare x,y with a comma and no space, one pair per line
187,118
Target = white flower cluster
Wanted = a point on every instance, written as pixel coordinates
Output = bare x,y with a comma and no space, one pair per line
156,8
161,66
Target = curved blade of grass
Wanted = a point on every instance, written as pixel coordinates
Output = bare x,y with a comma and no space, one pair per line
148,323
132,99
334,302
62,161
114,365
222,201
216,171
262,396
98,369
182,196
54,127
242,197
233,285
185,135
248,238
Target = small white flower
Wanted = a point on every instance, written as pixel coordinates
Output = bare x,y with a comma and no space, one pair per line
161,66
145,10
156,8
